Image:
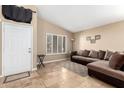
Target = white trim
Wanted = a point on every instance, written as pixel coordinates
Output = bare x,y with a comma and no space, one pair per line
57,44
52,44
46,42
32,51
2,49
34,69
66,43
45,62
57,54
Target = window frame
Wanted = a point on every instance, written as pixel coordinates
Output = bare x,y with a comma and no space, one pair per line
52,53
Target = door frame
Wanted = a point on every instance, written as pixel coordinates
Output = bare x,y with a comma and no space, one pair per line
3,38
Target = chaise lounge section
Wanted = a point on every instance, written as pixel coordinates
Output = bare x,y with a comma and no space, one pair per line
102,71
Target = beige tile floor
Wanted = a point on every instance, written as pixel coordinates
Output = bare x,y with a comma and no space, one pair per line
55,76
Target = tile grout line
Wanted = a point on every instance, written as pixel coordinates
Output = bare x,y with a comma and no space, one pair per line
42,80
44,84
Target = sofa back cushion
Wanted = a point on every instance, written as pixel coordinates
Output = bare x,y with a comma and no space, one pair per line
93,54
80,52
85,53
117,61
73,53
101,54
108,55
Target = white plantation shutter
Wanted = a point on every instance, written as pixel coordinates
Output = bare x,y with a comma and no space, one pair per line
56,44
49,44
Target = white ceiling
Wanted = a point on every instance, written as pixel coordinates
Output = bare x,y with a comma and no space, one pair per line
75,18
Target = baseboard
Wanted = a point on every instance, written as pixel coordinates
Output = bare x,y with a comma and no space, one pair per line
33,69
45,62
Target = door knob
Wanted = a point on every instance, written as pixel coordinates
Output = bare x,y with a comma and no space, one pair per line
29,50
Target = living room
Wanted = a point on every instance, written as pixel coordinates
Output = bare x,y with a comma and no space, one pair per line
63,46
100,35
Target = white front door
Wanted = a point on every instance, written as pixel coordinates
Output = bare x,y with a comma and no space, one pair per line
17,48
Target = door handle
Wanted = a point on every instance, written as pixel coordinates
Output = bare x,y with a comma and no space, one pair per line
29,50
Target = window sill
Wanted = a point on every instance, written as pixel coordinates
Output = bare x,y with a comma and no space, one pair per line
57,54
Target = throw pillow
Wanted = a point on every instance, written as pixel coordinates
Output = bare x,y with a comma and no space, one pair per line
120,52
108,55
80,52
85,53
101,54
117,61
93,54
73,52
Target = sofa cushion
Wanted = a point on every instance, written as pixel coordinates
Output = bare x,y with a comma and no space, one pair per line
103,67
87,59
117,61
108,55
122,68
93,54
85,53
101,54
80,52
73,52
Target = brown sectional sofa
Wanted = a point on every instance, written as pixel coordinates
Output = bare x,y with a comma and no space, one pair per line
100,69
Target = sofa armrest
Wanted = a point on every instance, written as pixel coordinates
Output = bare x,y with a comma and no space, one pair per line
73,53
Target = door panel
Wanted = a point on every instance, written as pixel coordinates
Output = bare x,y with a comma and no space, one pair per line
17,42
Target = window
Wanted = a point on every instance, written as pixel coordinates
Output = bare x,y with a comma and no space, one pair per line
56,44
59,44
49,44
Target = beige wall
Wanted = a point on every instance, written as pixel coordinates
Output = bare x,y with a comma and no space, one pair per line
112,38
46,27
34,24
